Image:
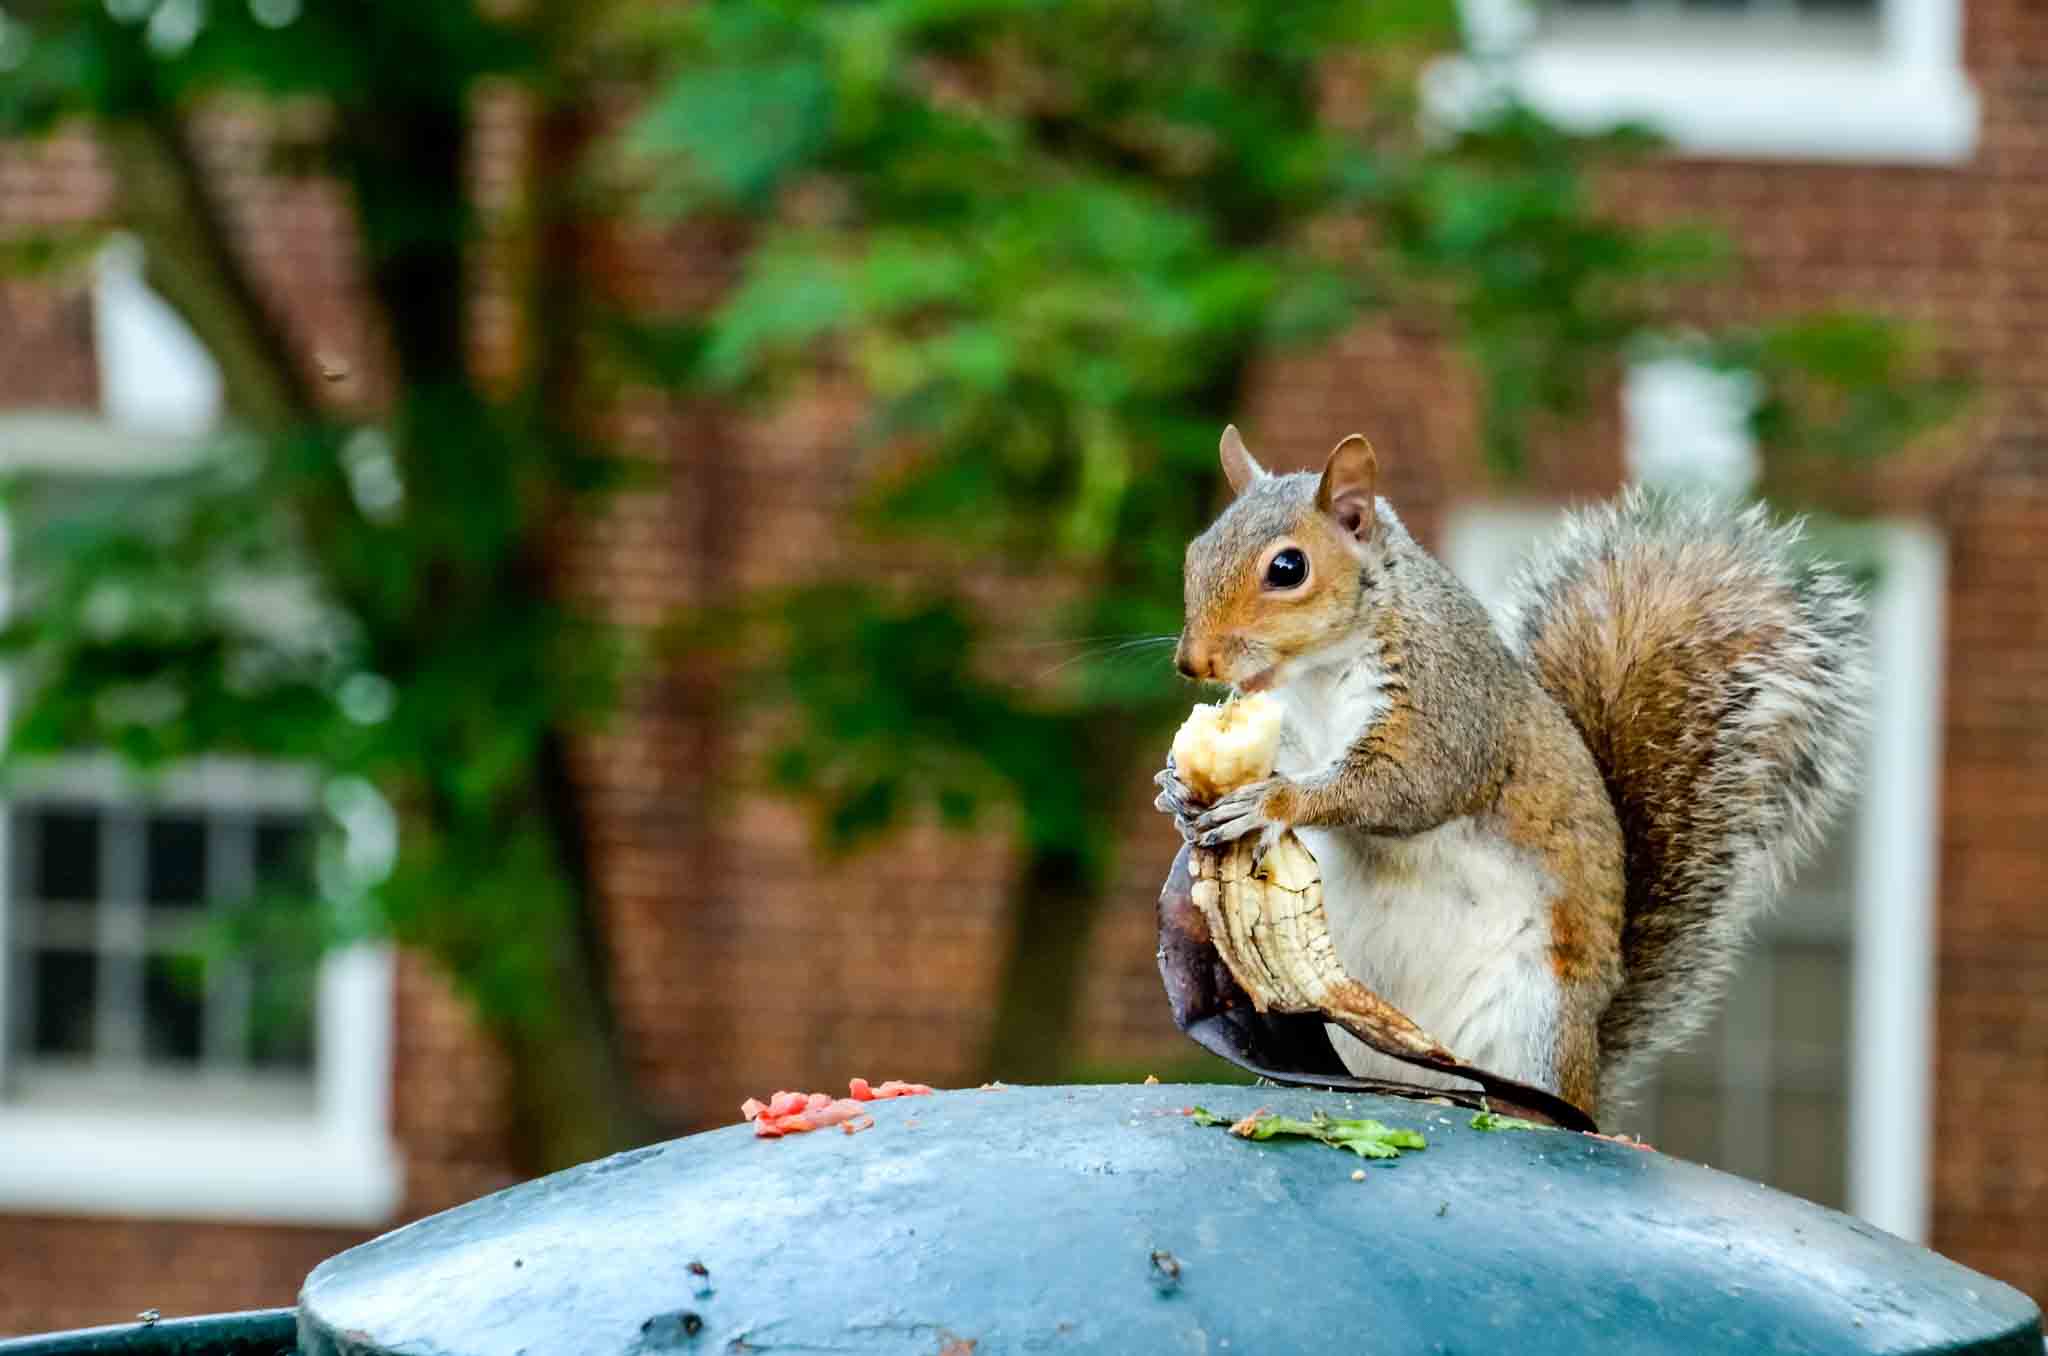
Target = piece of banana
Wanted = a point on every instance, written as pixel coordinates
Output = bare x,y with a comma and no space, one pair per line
1220,748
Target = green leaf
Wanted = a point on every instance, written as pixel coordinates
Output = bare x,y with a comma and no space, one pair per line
739,129
1365,1137
41,253
1490,1120
791,296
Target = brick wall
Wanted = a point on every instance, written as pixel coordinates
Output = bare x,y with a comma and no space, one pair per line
897,954
70,1273
1990,1174
45,329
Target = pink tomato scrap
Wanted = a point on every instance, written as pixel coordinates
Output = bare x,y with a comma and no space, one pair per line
793,1113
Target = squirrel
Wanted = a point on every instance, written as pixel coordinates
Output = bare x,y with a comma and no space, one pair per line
1545,843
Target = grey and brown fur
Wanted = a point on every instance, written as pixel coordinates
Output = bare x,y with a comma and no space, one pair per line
1665,732
1721,678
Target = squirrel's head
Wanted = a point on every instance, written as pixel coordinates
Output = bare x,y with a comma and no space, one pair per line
1279,581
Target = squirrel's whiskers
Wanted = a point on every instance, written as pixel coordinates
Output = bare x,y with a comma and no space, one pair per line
1119,650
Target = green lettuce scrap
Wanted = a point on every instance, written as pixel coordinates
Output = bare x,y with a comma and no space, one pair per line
1366,1138
1493,1120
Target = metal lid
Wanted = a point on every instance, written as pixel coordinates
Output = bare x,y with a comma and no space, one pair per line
1101,1219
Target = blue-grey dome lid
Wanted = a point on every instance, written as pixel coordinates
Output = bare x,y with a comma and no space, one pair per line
1101,1219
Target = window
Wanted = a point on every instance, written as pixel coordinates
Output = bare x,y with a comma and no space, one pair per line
1687,426
1857,80
117,993
142,1070
1816,1073
1850,26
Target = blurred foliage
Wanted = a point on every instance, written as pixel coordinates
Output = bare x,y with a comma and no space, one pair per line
1844,386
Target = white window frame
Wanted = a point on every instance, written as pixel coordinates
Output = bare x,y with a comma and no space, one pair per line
1907,101
1892,984
336,1163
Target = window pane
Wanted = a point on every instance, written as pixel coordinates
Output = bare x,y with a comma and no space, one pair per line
1688,1125
173,1008
1810,1001
1785,1121
1809,1136
66,853
284,968
66,986
284,855
281,1013
1697,1064
176,862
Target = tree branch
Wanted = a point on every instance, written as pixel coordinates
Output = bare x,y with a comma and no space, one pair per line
189,259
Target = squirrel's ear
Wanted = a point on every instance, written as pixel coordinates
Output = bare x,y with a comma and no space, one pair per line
1238,467
1346,492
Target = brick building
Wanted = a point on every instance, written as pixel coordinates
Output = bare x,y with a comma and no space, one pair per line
1890,155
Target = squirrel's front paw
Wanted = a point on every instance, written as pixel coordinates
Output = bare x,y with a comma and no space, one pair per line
1244,811
1177,800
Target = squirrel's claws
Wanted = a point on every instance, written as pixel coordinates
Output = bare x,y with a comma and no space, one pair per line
1231,818
1269,838
1183,819
1174,799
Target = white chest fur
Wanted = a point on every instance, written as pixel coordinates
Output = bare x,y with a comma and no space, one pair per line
1326,708
1451,926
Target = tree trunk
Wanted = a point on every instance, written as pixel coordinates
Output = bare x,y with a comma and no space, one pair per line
573,1098
1037,1007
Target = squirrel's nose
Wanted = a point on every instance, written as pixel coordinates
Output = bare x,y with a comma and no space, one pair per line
1191,659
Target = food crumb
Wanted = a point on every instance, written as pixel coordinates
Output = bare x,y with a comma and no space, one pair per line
1629,1140
1151,1080
789,1113
1165,1268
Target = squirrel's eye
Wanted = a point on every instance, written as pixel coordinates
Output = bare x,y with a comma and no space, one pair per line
1287,569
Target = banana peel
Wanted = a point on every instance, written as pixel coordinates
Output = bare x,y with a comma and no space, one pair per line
1252,975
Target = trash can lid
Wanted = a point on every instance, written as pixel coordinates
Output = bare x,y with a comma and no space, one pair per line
1101,1218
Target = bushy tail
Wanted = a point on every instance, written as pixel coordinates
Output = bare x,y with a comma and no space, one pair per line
1721,678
